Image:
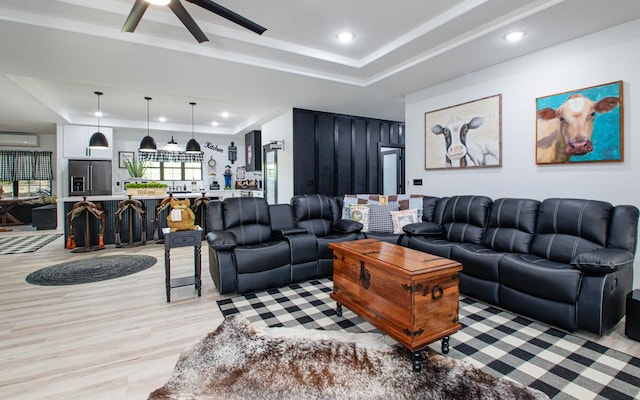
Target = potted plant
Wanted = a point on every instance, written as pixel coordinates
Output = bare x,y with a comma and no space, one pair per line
134,168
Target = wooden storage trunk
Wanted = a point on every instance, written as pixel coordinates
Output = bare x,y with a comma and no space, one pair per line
410,295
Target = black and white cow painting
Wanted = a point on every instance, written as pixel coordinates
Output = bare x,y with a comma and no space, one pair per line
458,151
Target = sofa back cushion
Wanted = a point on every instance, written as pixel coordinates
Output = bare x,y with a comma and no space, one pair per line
512,223
465,217
566,227
247,218
429,209
315,212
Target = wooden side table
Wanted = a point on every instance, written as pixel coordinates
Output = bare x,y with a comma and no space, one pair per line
182,239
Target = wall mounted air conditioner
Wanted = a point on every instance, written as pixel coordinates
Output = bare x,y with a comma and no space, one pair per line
13,139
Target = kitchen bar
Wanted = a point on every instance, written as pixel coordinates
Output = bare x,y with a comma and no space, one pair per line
110,205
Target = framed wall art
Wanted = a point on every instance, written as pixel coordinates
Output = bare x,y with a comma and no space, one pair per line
125,155
583,125
467,135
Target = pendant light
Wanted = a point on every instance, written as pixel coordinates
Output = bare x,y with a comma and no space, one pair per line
192,145
98,140
148,144
172,145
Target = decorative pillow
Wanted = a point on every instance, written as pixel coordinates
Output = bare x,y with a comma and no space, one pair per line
407,202
361,199
380,218
360,213
402,218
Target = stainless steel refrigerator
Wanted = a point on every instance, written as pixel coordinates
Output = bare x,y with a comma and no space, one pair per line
89,177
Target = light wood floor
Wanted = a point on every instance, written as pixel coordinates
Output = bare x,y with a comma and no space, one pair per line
116,339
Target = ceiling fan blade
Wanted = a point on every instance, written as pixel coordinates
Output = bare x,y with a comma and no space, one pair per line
137,11
181,12
230,15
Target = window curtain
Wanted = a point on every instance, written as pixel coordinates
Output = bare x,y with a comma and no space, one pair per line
25,165
171,156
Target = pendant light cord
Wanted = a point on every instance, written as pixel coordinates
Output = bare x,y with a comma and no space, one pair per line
192,123
147,99
99,113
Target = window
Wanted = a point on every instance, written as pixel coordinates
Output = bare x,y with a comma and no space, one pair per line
25,173
172,166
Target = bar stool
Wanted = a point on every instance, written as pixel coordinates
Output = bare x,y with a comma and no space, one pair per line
86,207
136,208
163,205
200,205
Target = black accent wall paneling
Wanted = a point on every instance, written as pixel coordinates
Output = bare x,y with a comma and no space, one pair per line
344,156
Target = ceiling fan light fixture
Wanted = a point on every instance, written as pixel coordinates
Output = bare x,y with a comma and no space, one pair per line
148,144
98,140
193,146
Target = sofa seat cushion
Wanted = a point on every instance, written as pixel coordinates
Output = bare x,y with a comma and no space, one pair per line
262,257
477,260
540,277
435,246
385,237
324,252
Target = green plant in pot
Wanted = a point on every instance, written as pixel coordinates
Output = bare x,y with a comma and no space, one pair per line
134,168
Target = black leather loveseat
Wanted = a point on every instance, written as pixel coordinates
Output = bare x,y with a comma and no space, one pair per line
255,246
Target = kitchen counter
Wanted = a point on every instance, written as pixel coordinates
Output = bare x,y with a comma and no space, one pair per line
110,205
220,194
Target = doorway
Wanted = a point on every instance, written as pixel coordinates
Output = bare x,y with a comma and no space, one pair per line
391,169
270,174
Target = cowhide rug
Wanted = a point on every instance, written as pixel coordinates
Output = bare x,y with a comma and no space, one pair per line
238,361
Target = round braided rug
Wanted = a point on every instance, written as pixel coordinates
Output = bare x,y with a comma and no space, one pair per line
92,269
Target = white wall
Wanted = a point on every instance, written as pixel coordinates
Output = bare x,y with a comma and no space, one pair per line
278,129
126,140
607,56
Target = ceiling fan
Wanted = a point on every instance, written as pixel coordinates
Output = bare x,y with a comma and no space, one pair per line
140,6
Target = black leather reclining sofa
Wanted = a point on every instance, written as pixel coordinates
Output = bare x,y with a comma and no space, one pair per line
255,246
566,262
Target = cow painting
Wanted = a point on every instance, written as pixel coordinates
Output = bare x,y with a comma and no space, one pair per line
464,136
457,152
567,133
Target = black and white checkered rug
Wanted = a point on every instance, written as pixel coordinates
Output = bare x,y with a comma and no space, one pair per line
562,365
25,244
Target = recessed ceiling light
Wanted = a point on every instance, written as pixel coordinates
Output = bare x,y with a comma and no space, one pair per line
98,114
162,119
225,115
214,123
159,2
514,36
346,37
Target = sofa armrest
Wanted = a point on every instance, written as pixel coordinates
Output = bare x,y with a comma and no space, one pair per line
347,226
221,240
602,261
423,229
283,232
